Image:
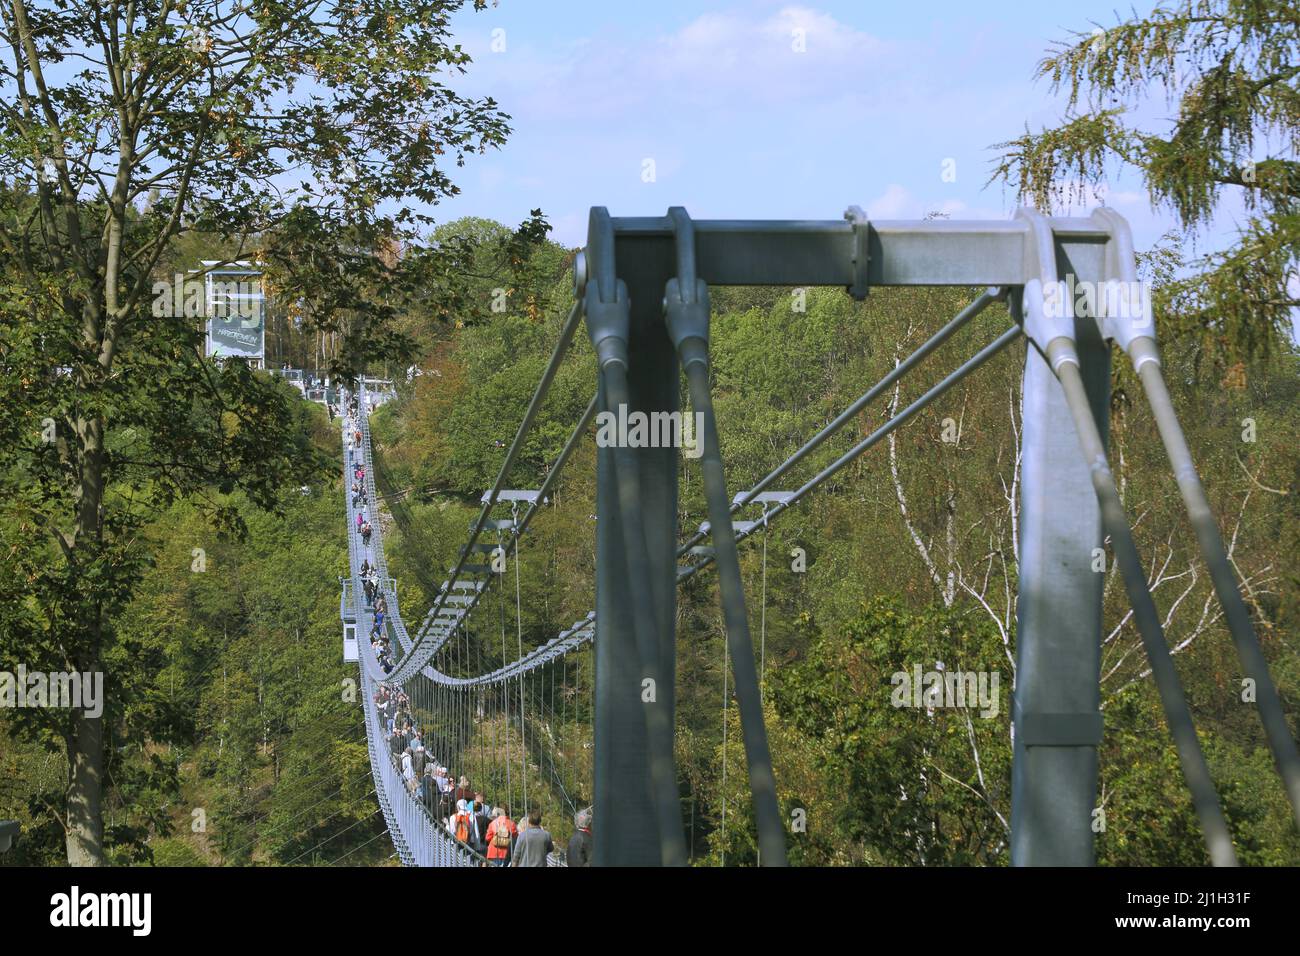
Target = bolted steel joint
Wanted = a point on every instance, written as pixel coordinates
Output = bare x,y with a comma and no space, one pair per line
687,319
608,323
861,252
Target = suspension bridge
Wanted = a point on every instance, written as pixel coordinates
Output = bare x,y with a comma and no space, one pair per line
641,285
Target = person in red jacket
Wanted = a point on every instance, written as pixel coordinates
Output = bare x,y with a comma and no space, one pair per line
501,833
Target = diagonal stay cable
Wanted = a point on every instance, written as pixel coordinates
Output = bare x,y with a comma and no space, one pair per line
511,546
360,846
579,636
687,317
959,321
970,365
1178,716
412,661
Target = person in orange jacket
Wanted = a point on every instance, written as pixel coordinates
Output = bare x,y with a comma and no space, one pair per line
501,835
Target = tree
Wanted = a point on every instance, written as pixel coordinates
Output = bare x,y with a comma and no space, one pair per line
887,770
298,133
1232,67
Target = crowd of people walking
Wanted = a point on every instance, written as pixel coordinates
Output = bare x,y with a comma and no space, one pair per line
361,504
496,838
489,831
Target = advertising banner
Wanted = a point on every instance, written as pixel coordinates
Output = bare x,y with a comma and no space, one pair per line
235,315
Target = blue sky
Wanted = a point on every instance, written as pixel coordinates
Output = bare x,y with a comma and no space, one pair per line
739,124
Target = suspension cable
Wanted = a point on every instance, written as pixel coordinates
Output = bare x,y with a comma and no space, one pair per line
1197,773
970,365
963,318
519,634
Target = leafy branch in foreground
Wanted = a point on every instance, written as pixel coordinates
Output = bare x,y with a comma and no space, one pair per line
1231,70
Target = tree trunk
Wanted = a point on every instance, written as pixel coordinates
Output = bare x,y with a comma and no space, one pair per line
85,818
85,794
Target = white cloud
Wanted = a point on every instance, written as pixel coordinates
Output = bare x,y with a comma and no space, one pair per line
893,204
729,60
740,125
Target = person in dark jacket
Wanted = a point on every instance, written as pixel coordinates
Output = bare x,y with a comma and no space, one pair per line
580,842
427,791
482,820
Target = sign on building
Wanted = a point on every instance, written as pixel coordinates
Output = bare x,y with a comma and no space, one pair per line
235,315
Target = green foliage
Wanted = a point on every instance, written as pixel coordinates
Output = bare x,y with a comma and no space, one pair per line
292,136
1228,67
171,852
923,786
231,689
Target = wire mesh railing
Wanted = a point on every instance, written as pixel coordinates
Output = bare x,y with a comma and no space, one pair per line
418,838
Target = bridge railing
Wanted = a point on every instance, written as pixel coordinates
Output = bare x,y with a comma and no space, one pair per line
418,838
